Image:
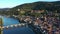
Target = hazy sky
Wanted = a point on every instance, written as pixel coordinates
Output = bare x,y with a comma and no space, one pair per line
12,3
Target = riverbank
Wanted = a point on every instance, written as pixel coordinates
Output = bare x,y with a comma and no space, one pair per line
35,29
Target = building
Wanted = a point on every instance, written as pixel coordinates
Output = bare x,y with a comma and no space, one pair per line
37,11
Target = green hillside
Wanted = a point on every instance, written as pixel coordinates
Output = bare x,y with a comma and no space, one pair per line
39,5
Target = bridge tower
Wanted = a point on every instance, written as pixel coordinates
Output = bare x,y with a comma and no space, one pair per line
1,25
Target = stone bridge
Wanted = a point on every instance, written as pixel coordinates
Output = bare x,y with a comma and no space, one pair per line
14,25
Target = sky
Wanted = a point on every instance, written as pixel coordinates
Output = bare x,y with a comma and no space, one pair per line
13,3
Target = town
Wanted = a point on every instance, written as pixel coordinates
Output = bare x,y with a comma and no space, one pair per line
31,18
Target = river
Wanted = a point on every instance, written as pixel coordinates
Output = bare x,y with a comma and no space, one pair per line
15,30
9,21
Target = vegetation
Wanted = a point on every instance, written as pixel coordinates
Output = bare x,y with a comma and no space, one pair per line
38,6
49,6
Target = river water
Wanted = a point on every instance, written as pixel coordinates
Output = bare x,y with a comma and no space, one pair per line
9,21
16,30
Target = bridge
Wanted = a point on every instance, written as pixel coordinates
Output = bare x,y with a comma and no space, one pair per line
15,25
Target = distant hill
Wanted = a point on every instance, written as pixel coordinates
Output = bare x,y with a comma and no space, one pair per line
39,5
4,9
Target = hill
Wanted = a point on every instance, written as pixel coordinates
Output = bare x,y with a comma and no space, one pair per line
39,5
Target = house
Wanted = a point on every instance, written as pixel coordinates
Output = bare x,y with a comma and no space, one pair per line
37,11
